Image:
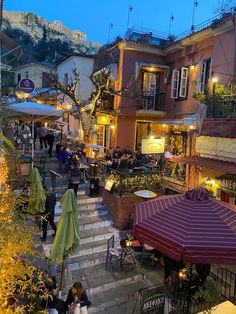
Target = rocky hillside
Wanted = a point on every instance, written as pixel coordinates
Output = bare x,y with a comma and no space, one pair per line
42,40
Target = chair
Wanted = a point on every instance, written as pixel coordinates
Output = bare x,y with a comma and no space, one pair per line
112,252
148,255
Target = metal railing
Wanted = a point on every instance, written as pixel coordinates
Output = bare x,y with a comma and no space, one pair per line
125,183
221,106
227,283
216,20
151,101
174,171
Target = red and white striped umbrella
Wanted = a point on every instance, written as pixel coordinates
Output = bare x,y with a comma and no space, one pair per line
193,227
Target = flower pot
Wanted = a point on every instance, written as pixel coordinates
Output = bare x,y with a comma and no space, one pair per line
25,168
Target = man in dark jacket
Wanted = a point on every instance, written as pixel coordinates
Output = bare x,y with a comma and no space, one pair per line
49,215
50,140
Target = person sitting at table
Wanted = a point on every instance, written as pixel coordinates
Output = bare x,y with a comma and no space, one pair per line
138,155
127,151
123,166
203,270
108,156
137,165
145,161
115,163
117,153
130,162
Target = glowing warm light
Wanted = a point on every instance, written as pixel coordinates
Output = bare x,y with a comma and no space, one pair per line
151,69
112,126
68,106
192,67
181,275
82,109
191,127
151,137
164,125
214,79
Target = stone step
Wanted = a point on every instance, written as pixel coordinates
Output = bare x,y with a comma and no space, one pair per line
88,261
89,200
116,293
91,235
93,212
91,206
91,222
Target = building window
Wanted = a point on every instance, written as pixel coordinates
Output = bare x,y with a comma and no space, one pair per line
149,82
175,84
204,75
18,78
66,80
26,74
46,79
183,82
179,83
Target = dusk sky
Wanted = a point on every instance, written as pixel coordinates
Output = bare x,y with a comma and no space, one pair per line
93,17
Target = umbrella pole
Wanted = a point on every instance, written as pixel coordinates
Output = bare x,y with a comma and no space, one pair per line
189,289
61,277
32,152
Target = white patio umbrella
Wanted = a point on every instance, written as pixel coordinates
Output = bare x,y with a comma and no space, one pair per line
33,111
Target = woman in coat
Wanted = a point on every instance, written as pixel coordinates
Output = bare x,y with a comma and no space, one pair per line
74,174
77,294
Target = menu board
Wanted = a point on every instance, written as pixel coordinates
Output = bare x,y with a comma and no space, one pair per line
153,146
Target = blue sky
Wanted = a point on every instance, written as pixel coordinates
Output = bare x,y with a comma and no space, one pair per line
94,16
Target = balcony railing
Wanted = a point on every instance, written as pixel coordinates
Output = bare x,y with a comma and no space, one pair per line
151,101
221,107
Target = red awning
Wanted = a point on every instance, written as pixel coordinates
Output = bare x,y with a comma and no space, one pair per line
220,165
192,227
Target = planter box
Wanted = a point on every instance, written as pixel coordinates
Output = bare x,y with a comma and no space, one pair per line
25,168
120,208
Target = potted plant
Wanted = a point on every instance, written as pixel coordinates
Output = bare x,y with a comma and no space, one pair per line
199,96
25,164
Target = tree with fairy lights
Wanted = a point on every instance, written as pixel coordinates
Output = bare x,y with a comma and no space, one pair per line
22,285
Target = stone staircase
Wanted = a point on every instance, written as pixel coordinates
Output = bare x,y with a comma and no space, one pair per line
111,289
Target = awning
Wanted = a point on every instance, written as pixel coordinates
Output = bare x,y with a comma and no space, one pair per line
187,121
208,163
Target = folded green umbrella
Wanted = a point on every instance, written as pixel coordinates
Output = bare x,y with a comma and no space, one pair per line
37,196
67,238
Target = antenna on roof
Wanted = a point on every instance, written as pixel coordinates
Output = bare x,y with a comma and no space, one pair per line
170,22
130,9
195,4
109,32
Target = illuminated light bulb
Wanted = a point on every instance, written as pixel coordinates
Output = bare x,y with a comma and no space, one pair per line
191,127
151,69
112,126
164,125
192,67
214,79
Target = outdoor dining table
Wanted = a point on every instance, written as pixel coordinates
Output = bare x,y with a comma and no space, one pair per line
145,194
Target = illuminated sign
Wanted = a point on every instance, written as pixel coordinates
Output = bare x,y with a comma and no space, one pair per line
103,119
153,146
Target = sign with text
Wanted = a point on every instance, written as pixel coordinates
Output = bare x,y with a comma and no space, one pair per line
153,146
26,86
152,300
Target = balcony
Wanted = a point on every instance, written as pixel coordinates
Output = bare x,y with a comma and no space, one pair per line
151,103
221,106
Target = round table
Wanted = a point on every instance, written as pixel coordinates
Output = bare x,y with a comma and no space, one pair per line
146,194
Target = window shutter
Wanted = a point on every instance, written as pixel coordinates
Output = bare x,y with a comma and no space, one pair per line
175,84
183,82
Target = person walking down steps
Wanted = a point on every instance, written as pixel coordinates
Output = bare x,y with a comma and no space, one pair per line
48,215
42,133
